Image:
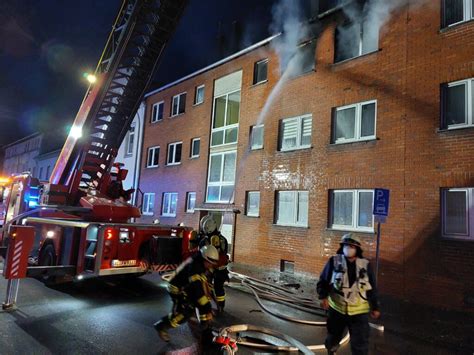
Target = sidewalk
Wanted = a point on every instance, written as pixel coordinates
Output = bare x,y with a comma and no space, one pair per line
409,328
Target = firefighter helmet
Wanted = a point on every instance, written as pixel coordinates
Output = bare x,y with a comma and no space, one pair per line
210,254
350,239
216,241
208,224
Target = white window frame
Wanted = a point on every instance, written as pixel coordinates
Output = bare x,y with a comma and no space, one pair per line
469,214
469,102
221,183
151,152
256,146
355,211
358,123
154,112
174,162
299,134
225,127
188,201
200,87
468,13
296,208
178,98
251,213
130,140
360,51
193,155
166,210
146,204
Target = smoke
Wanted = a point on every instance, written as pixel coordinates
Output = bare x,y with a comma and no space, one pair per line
289,20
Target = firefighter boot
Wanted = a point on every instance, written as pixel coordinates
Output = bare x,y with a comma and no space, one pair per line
220,307
162,330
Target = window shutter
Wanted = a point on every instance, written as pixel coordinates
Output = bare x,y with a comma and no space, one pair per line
307,125
290,130
442,108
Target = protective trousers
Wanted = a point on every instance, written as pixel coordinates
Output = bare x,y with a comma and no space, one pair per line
181,313
358,326
220,276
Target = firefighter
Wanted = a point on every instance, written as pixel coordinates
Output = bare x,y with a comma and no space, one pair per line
189,289
221,274
347,290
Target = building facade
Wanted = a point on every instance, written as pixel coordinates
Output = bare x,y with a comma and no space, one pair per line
129,153
20,156
299,156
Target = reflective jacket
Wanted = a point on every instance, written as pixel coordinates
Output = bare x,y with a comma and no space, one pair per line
344,297
220,243
190,286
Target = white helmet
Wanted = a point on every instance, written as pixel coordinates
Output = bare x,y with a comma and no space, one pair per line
210,254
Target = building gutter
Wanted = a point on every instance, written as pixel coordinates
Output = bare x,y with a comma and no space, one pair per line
216,64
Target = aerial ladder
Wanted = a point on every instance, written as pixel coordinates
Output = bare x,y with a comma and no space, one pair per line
77,225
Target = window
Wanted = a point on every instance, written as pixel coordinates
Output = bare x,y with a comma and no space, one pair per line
199,95
352,210
354,122
41,173
292,208
48,168
174,153
148,203
256,137
178,104
153,157
457,212
225,123
458,102
304,59
456,11
295,133
253,203
170,200
157,112
260,71
195,147
355,39
130,140
221,177
190,202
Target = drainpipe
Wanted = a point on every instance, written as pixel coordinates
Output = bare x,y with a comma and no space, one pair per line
236,212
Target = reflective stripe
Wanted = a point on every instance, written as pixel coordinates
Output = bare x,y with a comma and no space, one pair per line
174,321
197,277
220,298
337,303
173,289
205,317
203,300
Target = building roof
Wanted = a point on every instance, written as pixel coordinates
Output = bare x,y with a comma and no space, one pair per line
214,65
24,139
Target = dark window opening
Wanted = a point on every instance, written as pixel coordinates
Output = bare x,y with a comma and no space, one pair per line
260,71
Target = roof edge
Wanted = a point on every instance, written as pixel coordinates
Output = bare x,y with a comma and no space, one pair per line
214,65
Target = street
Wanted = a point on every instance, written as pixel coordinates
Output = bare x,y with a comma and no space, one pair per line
116,317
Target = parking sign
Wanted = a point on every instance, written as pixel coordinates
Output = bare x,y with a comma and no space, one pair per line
381,202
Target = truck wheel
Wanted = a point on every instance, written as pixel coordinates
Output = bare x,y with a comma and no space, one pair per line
47,258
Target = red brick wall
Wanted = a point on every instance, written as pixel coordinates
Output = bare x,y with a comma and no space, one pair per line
410,156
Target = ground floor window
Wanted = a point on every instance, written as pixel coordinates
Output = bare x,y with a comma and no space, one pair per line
190,202
351,210
170,200
457,213
148,203
292,208
253,203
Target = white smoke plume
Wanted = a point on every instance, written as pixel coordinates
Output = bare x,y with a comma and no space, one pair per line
289,20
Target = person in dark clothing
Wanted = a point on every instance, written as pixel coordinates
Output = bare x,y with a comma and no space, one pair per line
347,289
189,289
221,274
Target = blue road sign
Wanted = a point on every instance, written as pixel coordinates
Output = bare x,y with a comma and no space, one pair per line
381,201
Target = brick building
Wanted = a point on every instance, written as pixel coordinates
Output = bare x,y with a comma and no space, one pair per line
391,108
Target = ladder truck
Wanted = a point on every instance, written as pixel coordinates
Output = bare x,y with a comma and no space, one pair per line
77,225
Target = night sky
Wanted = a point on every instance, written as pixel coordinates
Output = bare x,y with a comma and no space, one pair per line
47,45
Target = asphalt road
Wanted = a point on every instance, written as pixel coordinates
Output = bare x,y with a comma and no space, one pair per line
116,317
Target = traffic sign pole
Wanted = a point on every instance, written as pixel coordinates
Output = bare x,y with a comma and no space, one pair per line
377,253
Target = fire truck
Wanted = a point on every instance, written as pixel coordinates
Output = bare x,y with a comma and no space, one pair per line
77,224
